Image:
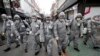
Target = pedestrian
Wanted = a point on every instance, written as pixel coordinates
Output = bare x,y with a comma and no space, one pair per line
48,32
35,26
92,31
86,34
20,27
2,34
60,33
76,30
24,30
12,34
26,40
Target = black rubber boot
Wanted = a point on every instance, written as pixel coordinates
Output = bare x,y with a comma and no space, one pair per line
7,49
25,50
17,46
85,43
59,53
36,53
68,44
96,47
64,51
77,49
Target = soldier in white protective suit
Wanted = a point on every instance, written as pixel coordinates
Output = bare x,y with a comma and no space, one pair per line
92,25
60,33
35,25
48,32
76,30
12,34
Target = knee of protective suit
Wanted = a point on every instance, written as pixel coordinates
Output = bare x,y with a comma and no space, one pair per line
48,49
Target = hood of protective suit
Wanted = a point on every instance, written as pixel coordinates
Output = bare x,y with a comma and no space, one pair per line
16,17
79,15
61,14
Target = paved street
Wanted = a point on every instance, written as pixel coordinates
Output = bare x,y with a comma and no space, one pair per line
84,51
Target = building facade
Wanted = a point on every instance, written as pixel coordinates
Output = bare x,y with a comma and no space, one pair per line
32,7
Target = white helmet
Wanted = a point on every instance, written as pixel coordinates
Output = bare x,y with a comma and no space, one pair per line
3,15
33,15
16,16
61,13
78,15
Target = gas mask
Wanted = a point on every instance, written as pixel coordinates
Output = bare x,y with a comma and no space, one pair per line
35,19
78,19
4,18
61,16
17,21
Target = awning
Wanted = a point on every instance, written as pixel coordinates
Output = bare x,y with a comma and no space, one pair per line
67,4
22,15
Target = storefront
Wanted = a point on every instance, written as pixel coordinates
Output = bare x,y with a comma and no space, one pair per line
71,12
82,5
69,7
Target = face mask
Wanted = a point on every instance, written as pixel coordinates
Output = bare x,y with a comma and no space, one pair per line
61,17
17,21
35,19
4,18
78,19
